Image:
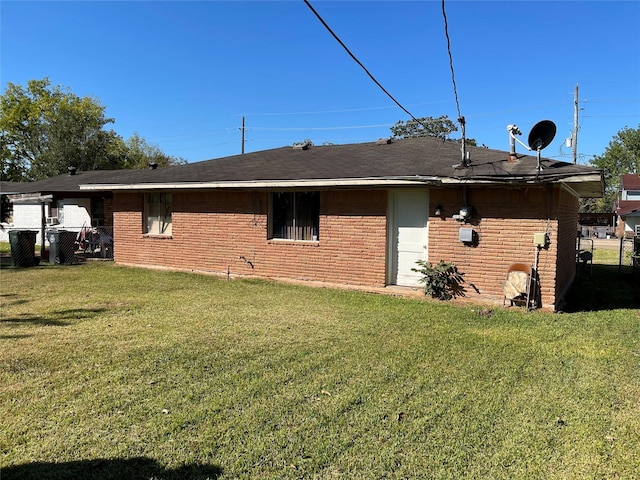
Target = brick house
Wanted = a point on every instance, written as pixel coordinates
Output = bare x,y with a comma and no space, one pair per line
359,214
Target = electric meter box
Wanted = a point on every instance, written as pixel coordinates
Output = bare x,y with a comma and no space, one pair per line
540,239
466,235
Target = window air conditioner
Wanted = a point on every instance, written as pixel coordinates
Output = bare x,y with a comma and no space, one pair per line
52,220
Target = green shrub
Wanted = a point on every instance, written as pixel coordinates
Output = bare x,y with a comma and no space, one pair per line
442,281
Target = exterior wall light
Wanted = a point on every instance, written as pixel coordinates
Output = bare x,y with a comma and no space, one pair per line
438,211
464,215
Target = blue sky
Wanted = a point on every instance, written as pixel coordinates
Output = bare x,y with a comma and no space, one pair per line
182,74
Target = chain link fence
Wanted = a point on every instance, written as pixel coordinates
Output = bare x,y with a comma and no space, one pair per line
70,247
628,255
629,261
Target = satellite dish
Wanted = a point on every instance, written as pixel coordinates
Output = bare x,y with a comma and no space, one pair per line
542,134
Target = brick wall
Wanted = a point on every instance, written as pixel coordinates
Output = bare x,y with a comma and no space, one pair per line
567,211
505,221
212,230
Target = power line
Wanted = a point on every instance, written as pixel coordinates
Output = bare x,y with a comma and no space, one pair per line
455,89
518,110
285,129
612,116
359,62
453,76
611,100
344,110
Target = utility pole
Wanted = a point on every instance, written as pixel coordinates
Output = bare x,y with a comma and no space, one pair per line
575,126
242,129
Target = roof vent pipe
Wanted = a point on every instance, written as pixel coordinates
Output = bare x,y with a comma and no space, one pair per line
463,147
513,131
153,165
71,170
306,145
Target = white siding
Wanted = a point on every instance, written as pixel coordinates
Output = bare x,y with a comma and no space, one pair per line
75,213
25,217
631,195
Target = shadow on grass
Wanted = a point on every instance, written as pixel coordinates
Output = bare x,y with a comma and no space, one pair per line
603,288
10,299
139,468
13,337
60,318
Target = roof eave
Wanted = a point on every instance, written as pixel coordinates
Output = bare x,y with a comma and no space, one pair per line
268,184
30,198
588,185
585,185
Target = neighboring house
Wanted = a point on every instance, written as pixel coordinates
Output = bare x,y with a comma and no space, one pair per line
58,203
6,208
628,207
359,214
599,225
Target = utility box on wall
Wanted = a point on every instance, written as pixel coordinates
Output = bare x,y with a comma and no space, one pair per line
540,239
466,235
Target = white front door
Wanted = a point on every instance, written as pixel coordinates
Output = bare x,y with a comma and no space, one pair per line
409,213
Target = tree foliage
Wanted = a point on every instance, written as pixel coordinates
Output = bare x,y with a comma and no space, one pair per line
439,127
44,129
139,154
622,156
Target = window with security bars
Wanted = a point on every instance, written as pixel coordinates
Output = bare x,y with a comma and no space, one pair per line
295,216
157,213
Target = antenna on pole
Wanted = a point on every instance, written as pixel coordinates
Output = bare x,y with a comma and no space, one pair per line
466,161
540,137
242,140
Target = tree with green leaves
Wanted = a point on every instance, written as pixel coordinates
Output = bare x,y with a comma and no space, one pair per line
44,129
139,154
622,156
440,127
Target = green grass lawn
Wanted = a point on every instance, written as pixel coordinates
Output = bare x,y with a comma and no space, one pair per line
5,248
112,372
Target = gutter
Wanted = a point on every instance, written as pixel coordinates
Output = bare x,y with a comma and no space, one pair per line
316,183
567,177
30,198
399,181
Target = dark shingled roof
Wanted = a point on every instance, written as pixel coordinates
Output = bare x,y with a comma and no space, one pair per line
426,159
7,188
64,183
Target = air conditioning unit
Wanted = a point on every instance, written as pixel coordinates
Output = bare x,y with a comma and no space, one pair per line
52,220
